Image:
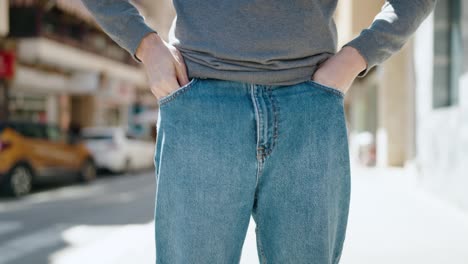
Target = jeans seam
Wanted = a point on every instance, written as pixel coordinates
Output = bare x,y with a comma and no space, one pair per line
257,145
263,259
275,108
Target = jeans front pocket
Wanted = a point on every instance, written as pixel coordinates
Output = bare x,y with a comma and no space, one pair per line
326,88
177,92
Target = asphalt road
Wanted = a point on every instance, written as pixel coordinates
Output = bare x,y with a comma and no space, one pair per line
72,223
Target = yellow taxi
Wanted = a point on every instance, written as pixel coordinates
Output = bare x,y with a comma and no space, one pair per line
32,153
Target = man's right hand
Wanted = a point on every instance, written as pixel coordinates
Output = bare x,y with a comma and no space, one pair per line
164,65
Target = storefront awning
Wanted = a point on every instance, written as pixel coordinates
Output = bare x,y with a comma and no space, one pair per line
43,50
42,82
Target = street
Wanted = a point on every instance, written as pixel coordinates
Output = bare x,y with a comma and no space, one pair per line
97,223
392,220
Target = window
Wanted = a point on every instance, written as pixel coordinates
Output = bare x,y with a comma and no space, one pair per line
54,133
29,130
130,136
448,52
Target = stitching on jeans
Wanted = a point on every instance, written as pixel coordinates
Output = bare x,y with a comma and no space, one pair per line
177,93
257,116
263,259
326,88
275,108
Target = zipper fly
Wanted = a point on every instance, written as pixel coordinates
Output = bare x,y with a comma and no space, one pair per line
266,115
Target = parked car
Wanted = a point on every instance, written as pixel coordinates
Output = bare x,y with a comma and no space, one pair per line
117,150
31,153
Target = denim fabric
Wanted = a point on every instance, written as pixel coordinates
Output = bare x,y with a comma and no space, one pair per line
227,150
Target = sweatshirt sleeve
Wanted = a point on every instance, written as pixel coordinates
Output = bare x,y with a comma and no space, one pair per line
121,21
391,28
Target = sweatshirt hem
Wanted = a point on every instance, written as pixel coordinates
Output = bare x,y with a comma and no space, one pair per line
262,77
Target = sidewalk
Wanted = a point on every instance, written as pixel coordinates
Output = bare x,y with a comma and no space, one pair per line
391,221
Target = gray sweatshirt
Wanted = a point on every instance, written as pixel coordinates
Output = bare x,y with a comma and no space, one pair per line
272,42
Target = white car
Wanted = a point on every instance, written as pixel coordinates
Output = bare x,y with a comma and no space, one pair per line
115,149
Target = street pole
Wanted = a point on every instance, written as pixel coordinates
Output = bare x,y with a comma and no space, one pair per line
4,29
4,109
4,18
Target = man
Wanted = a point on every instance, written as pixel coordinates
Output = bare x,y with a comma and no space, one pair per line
252,121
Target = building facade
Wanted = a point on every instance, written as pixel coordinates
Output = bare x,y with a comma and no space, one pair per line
70,72
379,106
415,105
64,63
441,53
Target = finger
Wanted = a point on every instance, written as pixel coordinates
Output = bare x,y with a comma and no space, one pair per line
182,77
165,87
181,72
170,85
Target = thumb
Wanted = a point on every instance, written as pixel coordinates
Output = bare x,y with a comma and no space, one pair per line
181,73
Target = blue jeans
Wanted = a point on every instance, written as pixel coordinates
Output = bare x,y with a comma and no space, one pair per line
227,150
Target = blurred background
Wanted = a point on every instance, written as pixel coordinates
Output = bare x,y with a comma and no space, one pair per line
77,116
